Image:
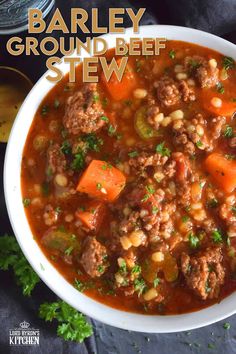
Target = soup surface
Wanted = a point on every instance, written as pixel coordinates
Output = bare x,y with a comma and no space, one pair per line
129,187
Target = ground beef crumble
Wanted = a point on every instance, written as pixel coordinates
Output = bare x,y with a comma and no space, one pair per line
93,258
56,161
83,111
204,272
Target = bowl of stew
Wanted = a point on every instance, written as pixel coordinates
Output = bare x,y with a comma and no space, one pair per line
121,194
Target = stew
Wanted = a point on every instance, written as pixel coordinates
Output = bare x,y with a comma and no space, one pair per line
129,187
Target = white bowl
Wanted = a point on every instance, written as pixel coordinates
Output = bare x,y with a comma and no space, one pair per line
45,270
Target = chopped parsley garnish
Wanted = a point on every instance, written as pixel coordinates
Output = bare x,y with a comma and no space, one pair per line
66,147
100,268
212,203
58,210
56,103
79,285
105,119
226,325
233,209
78,162
95,98
193,240
99,186
211,346
156,282
92,141
150,190
133,154
26,202
123,268
155,210
230,157
185,218
161,149
199,143
194,64
172,54
228,132
45,110
106,166
220,88
228,63
207,287
69,250
139,286
136,269
45,189
216,236
111,130
104,102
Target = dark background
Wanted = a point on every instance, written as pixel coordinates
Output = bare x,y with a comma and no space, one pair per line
215,16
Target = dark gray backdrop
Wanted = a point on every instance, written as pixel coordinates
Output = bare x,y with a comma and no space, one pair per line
215,16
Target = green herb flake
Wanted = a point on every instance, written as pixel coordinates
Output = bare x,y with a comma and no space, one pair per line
228,63
136,269
155,210
123,268
216,236
212,203
105,119
230,157
79,285
156,282
26,202
139,286
78,161
133,154
45,110
45,189
172,54
226,325
95,98
228,132
111,130
193,240
69,250
211,346
99,186
220,87
185,218
66,147
56,104
199,143
100,268
150,190
161,149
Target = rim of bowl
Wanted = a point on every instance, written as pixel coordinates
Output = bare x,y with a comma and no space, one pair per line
46,271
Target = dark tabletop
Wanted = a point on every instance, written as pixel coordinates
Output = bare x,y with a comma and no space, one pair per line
215,16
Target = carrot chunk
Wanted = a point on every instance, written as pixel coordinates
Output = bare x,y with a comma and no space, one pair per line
93,215
121,90
102,181
222,170
226,108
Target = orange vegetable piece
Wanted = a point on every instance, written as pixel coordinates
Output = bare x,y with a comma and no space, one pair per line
227,108
93,215
222,170
102,181
121,90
